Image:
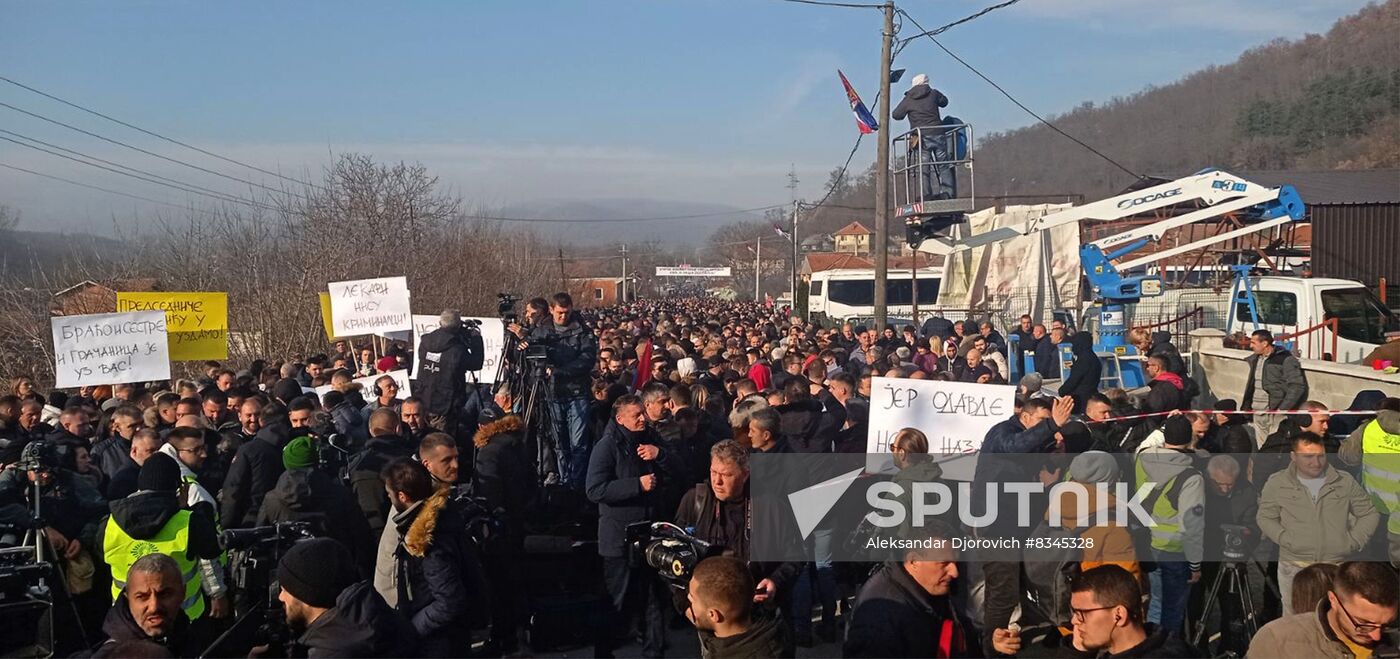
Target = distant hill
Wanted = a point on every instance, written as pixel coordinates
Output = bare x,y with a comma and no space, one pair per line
671,232
1320,102
24,254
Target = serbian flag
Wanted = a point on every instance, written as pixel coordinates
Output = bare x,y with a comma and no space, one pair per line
864,120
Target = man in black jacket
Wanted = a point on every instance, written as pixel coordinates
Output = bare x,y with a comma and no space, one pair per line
904,609
254,470
114,453
571,348
626,475
337,614
445,356
384,446
305,494
148,609
504,478
921,105
441,588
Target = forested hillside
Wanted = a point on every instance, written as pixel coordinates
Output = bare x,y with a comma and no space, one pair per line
1328,101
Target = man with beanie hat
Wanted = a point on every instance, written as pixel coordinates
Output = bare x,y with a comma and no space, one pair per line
1177,505
304,493
154,519
337,613
921,106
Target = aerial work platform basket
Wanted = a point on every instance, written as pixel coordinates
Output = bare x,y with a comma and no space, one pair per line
933,178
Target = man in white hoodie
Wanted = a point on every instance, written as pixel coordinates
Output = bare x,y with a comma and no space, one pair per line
187,446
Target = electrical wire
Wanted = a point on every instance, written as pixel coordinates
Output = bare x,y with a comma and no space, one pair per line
851,5
1019,104
107,190
155,134
547,220
149,153
940,30
217,196
221,195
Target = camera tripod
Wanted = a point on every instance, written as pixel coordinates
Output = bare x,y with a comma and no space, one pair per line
1233,575
528,377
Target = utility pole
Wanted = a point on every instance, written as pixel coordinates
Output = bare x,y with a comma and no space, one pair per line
792,192
757,263
795,208
624,275
563,283
882,173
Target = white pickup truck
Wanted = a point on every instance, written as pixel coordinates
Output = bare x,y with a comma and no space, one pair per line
1287,305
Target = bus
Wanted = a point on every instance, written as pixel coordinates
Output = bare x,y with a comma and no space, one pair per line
841,295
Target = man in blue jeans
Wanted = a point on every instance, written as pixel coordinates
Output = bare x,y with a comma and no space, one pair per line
1177,506
920,106
572,350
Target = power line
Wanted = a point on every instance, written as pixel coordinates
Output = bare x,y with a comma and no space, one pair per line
221,195
157,135
937,31
547,220
851,5
839,175
218,196
149,153
1019,104
107,190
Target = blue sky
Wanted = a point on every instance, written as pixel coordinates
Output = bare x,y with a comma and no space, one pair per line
698,100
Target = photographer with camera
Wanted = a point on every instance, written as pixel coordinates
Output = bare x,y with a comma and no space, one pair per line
333,612
626,478
1231,535
571,348
156,519
440,585
445,356
305,493
148,610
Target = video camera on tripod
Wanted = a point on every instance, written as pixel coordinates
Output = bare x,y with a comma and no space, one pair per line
253,557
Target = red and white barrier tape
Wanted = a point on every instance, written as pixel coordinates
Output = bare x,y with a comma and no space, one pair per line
1248,412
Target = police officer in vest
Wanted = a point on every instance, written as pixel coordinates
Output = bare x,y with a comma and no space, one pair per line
1375,447
154,520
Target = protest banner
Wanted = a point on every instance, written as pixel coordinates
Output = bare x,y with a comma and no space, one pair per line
492,334
954,415
367,385
110,348
197,322
368,306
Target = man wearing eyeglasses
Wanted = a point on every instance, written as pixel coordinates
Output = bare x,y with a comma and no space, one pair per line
1314,512
1106,609
1356,619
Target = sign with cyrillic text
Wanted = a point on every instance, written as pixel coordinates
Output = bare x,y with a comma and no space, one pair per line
110,348
955,416
367,385
367,306
197,322
492,334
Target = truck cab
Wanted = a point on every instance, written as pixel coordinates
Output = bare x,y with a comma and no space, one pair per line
1289,305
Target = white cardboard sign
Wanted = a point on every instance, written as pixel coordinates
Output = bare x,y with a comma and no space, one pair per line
492,334
110,348
370,306
954,415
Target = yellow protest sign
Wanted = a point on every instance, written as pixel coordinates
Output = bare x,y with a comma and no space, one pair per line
197,322
326,316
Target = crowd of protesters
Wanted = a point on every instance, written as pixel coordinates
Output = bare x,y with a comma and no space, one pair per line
655,410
